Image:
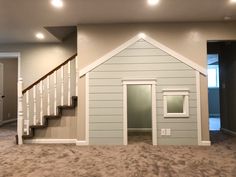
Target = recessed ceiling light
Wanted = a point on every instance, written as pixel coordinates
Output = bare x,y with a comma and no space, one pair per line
233,1
40,36
153,2
57,3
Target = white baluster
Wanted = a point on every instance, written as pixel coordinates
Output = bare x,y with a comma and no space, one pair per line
27,112
69,82
34,104
20,111
77,77
55,93
41,101
62,85
48,95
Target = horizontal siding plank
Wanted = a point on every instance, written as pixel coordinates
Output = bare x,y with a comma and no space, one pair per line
192,103
106,104
104,97
106,119
192,96
105,126
177,141
141,52
105,89
190,119
109,82
178,126
192,111
106,141
142,67
119,89
106,134
179,134
137,74
142,59
160,81
106,111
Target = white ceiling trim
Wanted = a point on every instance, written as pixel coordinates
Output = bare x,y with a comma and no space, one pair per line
152,41
9,54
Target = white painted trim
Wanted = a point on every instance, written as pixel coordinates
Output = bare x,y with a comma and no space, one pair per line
154,118
205,143
9,54
176,92
166,49
135,82
199,121
138,79
177,55
19,93
51,141
87,108
228,131
154,115
82,143
139,129
125,124
7,121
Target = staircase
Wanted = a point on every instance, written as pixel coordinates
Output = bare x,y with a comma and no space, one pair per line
46,99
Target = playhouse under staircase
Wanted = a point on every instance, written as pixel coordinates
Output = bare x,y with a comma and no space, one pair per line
46,99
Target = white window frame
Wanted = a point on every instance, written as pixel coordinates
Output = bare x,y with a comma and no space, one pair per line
176,92
216,68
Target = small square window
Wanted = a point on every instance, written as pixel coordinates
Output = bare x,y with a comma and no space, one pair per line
176,103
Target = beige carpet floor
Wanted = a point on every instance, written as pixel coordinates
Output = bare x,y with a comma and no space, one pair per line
139,159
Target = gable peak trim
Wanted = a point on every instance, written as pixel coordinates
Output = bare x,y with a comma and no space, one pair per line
152,41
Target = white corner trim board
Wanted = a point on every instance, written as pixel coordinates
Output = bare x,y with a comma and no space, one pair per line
87,108
152,41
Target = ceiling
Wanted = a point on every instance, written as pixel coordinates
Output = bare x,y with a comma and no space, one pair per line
21,19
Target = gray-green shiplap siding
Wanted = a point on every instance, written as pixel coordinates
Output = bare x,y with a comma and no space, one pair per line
140,60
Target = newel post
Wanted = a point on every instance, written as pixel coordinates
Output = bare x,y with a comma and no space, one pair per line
20,111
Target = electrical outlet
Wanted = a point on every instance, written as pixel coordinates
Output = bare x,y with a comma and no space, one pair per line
163,131
168,131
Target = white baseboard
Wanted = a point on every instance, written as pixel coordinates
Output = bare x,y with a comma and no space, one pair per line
51,141
140,129
205,143
228,131
81,143
7,121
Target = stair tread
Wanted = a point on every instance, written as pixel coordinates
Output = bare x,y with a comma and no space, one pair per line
38,126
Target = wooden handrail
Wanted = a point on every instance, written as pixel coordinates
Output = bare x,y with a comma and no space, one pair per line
49,73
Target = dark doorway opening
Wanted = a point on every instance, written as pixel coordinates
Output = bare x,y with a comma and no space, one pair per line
222,86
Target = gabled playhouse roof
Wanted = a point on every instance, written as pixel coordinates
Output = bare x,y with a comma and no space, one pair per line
152,41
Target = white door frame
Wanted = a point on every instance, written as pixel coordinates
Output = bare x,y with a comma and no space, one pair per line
135,81
19,92
1,86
